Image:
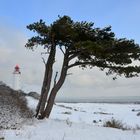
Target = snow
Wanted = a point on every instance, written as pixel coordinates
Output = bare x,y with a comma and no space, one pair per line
32,103
88,112
61,130
75,121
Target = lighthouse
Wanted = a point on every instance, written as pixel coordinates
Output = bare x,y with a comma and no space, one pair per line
16,80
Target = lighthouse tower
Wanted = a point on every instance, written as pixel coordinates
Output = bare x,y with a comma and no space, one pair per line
16,80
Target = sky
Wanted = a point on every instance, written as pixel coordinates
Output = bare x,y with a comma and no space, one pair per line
15,15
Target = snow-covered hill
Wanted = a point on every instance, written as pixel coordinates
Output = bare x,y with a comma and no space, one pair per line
13,108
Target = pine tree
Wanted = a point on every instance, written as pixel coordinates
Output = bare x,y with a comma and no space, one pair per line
82,45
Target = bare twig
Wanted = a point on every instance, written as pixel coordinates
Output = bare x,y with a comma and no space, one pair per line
62,50
55,78
43,60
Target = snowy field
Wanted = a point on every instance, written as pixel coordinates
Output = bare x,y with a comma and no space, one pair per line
80,121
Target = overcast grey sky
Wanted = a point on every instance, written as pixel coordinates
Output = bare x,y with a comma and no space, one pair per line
122,15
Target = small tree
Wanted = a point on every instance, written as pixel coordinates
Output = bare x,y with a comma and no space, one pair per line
81,45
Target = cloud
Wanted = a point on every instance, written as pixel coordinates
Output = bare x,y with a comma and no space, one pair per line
12,52
89,84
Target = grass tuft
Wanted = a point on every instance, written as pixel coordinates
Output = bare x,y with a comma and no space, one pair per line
113,123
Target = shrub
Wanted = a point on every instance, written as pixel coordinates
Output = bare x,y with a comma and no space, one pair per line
94,121
115,124
68,113
13,108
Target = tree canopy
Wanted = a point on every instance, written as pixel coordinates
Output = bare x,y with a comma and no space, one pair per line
82,45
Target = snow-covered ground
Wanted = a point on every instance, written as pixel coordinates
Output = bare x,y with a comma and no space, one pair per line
88,113
80,121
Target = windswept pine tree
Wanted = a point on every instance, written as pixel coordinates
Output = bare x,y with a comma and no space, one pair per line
82,45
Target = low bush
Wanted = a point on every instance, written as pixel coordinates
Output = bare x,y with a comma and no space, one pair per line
13,108
68,113
116,124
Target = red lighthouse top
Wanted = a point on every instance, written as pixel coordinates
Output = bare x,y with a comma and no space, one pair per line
17,69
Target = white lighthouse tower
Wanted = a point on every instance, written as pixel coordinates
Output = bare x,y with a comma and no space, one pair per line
16,80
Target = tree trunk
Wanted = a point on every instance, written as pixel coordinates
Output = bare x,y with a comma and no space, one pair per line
42,92
55,89
46,82
45,95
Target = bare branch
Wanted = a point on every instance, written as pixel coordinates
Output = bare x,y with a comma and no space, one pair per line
73,56
91,63
43,60
55,78
62,50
